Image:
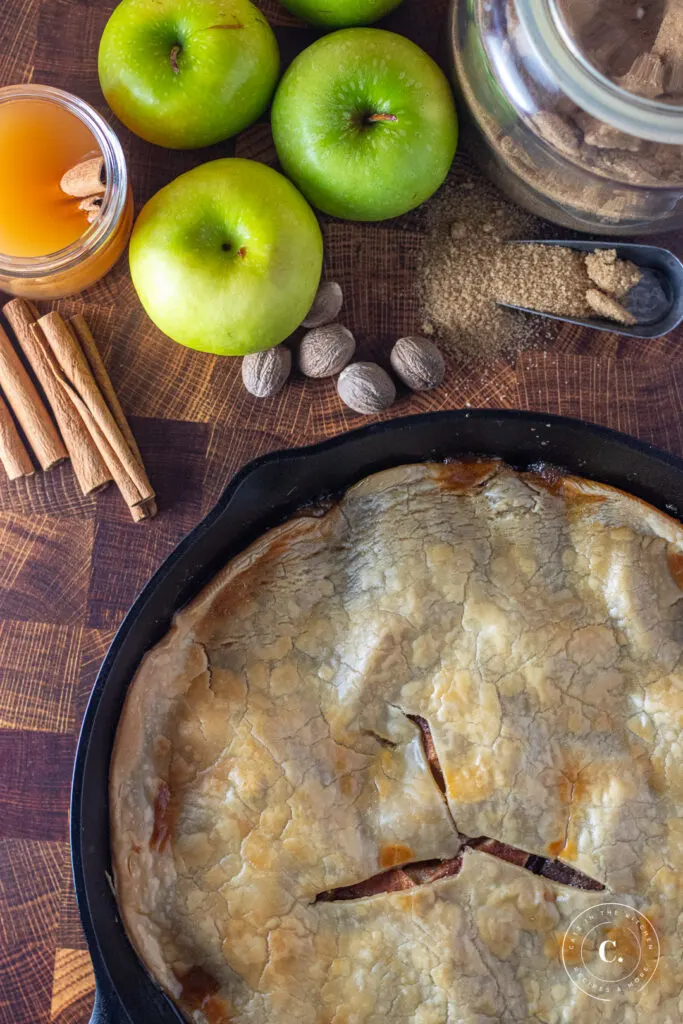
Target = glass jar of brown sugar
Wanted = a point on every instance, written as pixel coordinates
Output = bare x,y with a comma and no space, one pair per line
575,107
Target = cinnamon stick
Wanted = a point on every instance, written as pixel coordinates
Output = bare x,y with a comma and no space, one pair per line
89,468
13,454
85,179
80,328
112,461
91,206
99,372
147,510
78,380
28,407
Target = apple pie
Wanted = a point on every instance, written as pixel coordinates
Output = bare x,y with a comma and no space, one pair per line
417,758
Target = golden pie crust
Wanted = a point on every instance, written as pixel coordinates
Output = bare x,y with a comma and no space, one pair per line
270,753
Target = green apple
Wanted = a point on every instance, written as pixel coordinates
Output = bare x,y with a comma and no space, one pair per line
188,73
364,123
340,13
227,258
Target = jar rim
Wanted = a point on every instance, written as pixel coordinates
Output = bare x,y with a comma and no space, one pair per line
591,90
113,200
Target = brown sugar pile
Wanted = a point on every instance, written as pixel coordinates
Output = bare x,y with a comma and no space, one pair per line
547,278
469,264
565,282
467,224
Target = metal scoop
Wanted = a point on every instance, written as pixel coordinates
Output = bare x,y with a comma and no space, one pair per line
667,268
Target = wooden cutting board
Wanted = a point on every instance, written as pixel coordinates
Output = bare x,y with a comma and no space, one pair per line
70,567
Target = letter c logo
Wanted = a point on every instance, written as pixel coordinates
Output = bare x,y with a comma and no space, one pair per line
602,951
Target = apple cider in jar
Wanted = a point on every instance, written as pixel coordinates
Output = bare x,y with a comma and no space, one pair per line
55,242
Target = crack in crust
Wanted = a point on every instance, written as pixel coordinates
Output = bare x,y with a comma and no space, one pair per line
408,876
429,748
396,879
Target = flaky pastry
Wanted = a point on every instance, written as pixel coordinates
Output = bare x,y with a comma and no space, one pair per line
382,765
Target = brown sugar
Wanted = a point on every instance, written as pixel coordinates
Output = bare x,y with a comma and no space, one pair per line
645,77
669,41
612,275
470,264
608,308
567,282
467,224
550,279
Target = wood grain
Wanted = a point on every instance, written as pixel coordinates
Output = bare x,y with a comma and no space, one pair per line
39,667
72,985
32,875
70,566
44,568
35,773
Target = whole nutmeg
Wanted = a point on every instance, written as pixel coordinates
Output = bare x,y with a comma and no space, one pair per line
366,388
326,305
418,363
325,351
264,373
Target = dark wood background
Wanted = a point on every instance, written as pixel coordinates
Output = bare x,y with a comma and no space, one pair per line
70,567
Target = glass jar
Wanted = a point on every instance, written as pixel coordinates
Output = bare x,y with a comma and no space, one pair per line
83,262
575,107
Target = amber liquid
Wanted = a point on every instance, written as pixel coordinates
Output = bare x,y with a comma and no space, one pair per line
39,142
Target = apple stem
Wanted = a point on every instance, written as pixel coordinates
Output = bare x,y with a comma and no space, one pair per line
175,53
373,118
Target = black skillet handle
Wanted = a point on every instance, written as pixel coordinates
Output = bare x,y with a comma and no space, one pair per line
103,1011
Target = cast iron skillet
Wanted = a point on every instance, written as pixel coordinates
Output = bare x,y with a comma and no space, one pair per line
263,494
